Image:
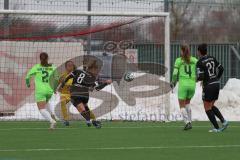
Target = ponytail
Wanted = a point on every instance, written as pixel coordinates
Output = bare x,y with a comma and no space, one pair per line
185,53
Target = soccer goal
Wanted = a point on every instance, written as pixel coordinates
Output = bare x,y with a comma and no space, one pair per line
118,39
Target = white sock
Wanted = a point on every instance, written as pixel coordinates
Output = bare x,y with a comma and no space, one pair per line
49,108
184,115
47,115
189,112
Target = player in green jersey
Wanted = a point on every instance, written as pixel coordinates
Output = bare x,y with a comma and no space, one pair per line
185,73
45,75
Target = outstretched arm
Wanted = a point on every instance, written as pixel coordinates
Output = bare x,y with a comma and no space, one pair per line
101,85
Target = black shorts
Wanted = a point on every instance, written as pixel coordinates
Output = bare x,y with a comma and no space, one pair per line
76,100
211,92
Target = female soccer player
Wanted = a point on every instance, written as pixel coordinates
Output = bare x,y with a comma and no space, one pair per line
209,71
65,92
43,90
185,73
83,82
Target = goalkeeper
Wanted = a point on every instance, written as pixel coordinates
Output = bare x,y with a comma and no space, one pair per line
185,73
65,94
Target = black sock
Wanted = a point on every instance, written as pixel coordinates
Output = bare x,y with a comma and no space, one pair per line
218,113
212,118
86,115
86,107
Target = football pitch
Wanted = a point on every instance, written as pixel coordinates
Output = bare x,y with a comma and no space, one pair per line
117,141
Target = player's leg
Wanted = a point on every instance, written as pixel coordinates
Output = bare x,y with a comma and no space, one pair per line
189,110
219,115
95,123
189,114
183,110
44,112
84,100
79,103
92,115
49,109
210,95
42,100
208,104
85,113
211,116
190,94
64,100
208,100
182,96
49,106
182,104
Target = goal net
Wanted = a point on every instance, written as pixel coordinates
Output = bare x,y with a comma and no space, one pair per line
126,43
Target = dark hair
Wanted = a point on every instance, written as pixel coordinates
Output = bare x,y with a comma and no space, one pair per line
69,61
44,58
202,48
186,53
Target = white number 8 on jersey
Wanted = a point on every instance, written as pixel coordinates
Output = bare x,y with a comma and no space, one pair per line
80,78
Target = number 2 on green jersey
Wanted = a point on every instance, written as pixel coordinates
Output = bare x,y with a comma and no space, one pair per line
45,75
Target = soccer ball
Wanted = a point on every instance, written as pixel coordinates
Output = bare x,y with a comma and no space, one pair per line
129,76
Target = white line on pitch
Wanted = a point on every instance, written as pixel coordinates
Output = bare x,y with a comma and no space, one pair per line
132,127
118,148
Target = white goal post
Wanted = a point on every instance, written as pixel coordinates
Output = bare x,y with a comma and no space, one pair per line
166,15
35,45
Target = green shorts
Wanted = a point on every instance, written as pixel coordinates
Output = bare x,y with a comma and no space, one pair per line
43,96
186,92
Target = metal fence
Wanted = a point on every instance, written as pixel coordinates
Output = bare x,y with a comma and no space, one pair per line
227,54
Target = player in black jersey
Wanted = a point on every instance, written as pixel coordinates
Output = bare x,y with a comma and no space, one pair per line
85,81
209,71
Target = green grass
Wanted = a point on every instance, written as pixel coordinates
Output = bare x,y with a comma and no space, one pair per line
117,141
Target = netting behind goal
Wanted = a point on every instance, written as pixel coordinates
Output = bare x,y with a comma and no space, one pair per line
117,40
